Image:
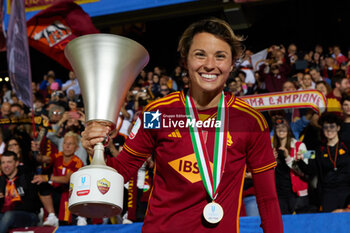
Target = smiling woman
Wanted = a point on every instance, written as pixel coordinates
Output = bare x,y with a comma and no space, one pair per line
200,171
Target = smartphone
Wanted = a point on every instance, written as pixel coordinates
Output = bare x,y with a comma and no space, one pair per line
309,154
74,114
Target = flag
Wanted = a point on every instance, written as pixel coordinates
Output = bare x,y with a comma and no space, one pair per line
18,54
2,35
258,58
50,30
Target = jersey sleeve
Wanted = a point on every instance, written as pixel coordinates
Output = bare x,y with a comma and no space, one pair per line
266,196
259,152
138,147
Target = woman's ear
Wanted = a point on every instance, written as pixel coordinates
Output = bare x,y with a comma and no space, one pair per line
185,64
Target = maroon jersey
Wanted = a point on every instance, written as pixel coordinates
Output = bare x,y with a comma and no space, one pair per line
60,168
178,196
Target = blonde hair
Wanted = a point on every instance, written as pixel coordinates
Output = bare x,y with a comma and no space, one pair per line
74,135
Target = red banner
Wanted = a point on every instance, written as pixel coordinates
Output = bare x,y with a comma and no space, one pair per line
36,5
281,100
50,30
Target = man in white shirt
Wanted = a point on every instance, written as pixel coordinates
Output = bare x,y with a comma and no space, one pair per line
72,83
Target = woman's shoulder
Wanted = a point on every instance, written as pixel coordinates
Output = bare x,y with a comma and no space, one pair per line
246,113
172,99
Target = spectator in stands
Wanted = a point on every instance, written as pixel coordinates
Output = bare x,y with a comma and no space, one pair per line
275,78
292,189
166,80
323,87
5,110
24,159
17,111
177,76
316,75
330,68
316,61
142,98
331,165
6,96
56,113
307,83
185,81
319,49
39,105
231,85
288,86
164,90
240,90
64,164
154,87
126,116
242,77
345,127
18,196
157,70
292,53
66,124
48,85
149,78
71,84
338,56
341,86
58,97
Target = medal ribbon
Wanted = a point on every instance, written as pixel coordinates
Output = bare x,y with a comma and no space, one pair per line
211,179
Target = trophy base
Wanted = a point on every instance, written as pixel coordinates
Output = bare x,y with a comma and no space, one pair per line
96,191
95,209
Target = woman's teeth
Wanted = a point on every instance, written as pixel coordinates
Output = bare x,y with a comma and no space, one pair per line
209,76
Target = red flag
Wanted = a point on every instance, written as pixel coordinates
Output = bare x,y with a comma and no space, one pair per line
50,30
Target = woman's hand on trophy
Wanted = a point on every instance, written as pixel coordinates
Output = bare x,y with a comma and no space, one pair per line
94,132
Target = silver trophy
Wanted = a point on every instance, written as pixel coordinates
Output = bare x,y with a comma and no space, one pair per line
106,66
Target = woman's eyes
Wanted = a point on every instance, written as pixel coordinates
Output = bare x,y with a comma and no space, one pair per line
218,56
221,56
200,54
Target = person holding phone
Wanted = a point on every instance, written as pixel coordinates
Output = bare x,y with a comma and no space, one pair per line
199,171
292,187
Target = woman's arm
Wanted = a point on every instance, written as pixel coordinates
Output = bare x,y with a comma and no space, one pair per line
266,196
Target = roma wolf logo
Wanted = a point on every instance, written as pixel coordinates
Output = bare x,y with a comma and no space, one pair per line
53,33
103,185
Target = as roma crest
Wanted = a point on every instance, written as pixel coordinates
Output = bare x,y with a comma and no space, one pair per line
103,185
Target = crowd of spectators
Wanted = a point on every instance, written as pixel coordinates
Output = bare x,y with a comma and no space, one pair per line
313,171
